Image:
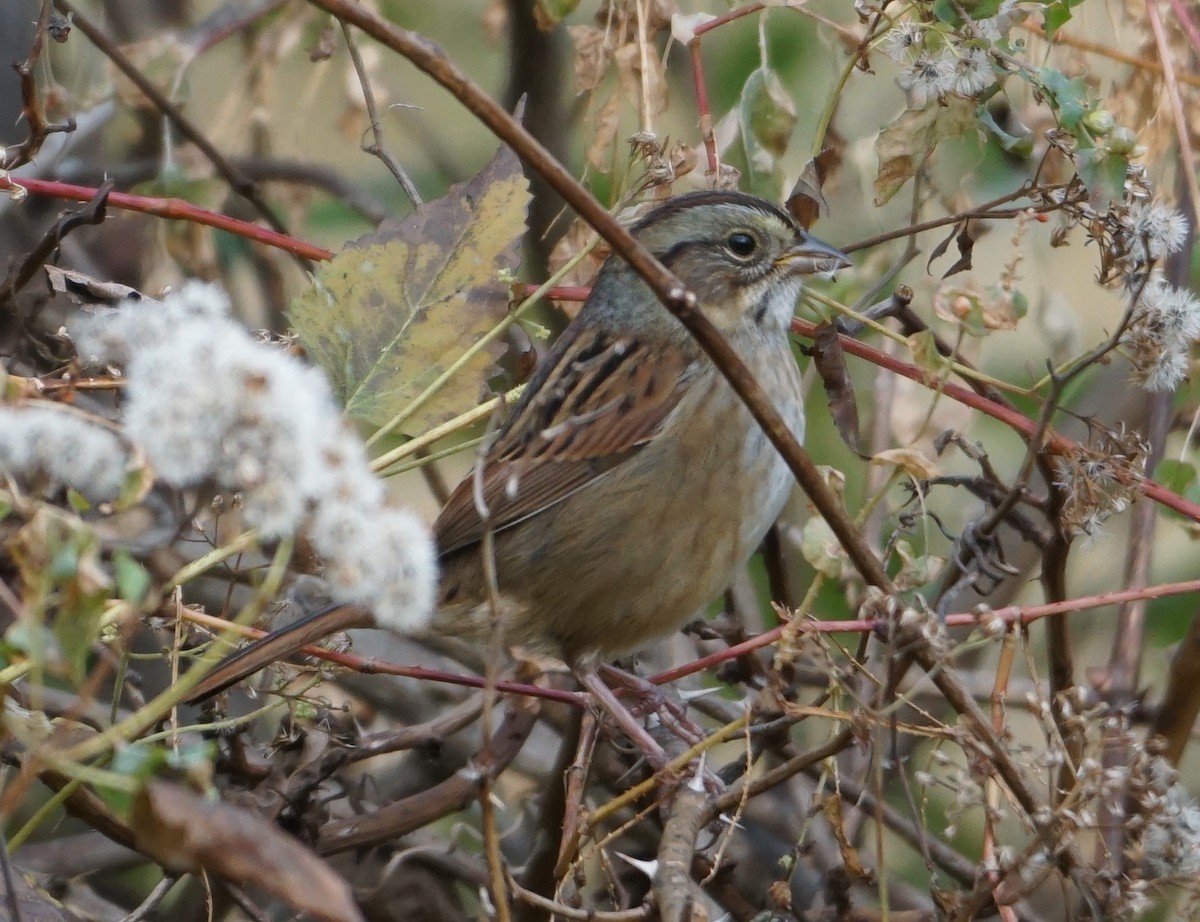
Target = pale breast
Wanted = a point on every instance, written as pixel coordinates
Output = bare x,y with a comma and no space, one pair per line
643,548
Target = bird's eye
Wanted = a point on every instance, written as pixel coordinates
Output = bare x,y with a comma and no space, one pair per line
741,244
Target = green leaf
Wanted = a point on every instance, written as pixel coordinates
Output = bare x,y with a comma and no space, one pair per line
904,145
1069,96
551,12
767,116
1057,14
1176,476
1020,304
1022,145
396,308
132,578
77,631
821,548
1103,172
947,10
922,347
138,760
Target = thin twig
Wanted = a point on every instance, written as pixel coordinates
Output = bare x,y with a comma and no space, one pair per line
238,182
376,147
1179,116
31,104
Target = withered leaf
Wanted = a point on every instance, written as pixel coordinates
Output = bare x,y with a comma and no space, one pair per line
940,249
962,238
83,289
912,461
393,310
807,201
830,362
966,244
602,132
832,808
905,144
186,832
922,346
593,48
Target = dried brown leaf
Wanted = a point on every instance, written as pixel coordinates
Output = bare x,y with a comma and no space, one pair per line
904,145
961,235
84,289
603,129
832,808
391,312
584,272
592,52
644,82
912,461
186,832
807,201
830,362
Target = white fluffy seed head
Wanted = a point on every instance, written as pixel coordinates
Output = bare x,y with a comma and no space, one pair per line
210,404
65,448
383,559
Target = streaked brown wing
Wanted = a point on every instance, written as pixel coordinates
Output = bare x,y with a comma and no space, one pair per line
598,399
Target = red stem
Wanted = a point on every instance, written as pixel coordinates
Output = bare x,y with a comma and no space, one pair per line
1054,443
706,119
1010,615
172,208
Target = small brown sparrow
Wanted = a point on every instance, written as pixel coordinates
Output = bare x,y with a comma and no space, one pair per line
630,482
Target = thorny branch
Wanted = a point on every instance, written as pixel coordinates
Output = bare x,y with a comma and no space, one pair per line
32,109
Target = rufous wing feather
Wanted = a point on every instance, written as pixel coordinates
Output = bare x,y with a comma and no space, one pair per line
595,402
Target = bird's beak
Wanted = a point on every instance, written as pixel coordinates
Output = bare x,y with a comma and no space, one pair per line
812,256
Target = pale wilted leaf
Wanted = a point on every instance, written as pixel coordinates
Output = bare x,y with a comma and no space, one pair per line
643,78
923,348
905,144
683,26
979,313
186,832
161,60
915,569
767,116
592,50
910,460
396,308
768,111
821,548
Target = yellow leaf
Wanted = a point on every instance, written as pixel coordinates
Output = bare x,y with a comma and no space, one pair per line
396,308
913,462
